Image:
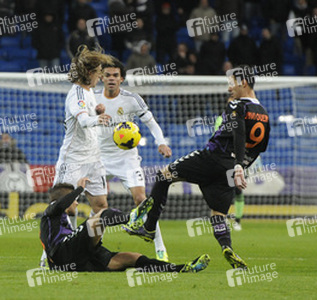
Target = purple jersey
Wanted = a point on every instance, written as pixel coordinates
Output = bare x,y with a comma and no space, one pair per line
55,225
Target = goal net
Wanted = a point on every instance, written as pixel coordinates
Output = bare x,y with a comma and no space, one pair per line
283,183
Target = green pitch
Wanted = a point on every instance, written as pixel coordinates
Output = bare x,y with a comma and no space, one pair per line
260,243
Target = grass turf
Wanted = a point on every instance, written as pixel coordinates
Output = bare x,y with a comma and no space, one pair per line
261,242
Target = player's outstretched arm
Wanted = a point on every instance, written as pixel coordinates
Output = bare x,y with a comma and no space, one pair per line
157,133
59,206
90,121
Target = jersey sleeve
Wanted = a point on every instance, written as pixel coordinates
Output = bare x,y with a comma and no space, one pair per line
77,103
141,109
235,113
60,205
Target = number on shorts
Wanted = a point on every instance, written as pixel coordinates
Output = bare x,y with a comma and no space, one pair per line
139,175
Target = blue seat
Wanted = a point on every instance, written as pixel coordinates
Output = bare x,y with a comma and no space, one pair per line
3,54
26,42
16,53
12,66
32,64
12,41
289,69
99,7
183,37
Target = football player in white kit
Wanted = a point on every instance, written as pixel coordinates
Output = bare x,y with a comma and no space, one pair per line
122,106
79,155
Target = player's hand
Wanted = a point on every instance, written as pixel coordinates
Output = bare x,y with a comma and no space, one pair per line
100,109
104,119
82,182
165,150
239,179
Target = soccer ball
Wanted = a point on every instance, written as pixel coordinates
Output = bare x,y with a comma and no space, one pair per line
126,135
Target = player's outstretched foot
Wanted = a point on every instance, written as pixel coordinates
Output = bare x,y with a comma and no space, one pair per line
137,214
161,255
44,264
197,265
234,259
141,232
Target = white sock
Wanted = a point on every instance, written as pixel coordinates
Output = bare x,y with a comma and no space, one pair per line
73,220
91,214
44,256
158,240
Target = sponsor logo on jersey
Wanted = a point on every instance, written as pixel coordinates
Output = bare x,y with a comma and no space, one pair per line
81,104
256,116
120,111
233,104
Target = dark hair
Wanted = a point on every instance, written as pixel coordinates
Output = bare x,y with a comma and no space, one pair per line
116,63
59,190
248,73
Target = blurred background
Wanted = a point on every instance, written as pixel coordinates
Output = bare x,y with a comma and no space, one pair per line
260,38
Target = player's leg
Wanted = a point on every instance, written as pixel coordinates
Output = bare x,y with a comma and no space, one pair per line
105,217
147,229
138,194
96,189
188,167
97,202
69,173
127,168
218,197
123,260
239,206
164,179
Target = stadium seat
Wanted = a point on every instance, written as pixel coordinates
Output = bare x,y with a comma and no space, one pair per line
104,3
289,70
12,66
26,42
13,41
99,7
65,59
126,54
32,64
3,54
18,53
183,37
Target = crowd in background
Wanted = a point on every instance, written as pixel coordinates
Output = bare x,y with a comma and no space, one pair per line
258,40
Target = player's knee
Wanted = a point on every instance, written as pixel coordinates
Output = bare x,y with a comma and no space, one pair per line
97,202
98,206
166,173
138,198
163,177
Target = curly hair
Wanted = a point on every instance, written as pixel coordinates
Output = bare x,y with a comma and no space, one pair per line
86,62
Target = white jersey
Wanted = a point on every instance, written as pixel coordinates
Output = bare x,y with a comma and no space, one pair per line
80,145
125,107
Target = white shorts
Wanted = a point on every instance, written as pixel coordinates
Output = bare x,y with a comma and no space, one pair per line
72,172
126,167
